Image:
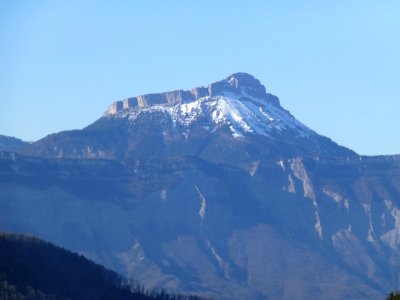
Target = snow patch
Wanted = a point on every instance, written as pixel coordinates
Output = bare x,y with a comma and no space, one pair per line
242,114
317,226
281,164
291,188
347,204
217,257
370,237
202,211
254,167
163,194
388,204
222,264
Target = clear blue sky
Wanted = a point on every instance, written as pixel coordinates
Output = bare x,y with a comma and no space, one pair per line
334,64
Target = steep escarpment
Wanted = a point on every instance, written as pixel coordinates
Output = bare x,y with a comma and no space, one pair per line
238,83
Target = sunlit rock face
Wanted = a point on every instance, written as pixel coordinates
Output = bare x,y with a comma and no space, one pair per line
240,84
218,191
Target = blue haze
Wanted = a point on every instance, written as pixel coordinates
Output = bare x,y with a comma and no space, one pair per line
334,64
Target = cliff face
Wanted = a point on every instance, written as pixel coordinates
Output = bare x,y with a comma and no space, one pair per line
236,84
227,195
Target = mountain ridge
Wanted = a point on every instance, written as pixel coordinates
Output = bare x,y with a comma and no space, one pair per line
237,107
234,83
10,143
199,197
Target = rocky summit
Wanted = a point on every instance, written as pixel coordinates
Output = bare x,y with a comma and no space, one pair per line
218,191
234,111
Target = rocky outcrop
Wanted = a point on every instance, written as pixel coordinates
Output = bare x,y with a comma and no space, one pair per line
238,83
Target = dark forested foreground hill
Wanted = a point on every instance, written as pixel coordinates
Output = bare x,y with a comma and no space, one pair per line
33,269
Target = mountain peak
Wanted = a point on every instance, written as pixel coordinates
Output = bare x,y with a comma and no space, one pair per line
240,84
239,102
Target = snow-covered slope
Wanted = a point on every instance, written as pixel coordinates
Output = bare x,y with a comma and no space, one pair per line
240,102
236,113
242,114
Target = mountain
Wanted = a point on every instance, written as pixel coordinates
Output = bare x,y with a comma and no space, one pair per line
33,269
236,110
217,191
8,143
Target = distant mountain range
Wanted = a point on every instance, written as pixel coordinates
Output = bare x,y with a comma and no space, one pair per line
217,191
